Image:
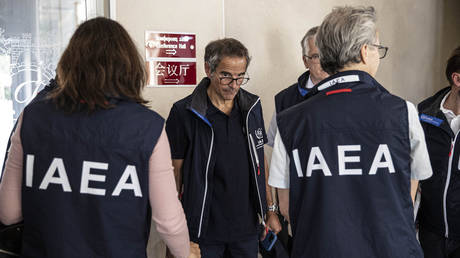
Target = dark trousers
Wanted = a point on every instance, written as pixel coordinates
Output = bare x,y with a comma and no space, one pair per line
242,248
437,246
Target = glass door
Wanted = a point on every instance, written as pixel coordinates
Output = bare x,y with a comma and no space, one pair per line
33,35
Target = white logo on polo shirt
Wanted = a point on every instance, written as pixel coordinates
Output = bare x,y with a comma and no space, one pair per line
259,133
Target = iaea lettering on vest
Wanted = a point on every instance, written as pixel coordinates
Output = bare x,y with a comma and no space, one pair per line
57,165
382,159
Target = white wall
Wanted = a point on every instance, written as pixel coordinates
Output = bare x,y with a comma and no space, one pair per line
420,34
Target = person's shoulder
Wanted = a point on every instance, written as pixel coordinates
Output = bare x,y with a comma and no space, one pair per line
433,100
179,109
296,110
394,99
133,111
151,112
39,103
292,89
183,103
247,99
385,96
248,94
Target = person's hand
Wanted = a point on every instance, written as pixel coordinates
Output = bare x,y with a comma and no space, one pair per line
194,250
273,222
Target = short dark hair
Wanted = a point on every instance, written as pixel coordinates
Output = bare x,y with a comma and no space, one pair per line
220,48
453,65
101,61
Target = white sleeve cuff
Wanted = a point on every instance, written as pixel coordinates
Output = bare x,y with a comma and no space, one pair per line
279,166
420,160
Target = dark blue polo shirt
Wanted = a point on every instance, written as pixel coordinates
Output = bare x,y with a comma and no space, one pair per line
232,214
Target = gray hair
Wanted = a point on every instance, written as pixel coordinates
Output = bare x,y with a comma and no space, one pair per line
309,35
342,34
218,49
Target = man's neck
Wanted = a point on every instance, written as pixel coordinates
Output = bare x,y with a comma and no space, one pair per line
355,66
223,105
453,102
314,80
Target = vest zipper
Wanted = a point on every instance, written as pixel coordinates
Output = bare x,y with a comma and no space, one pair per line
446,188
252,159
206,182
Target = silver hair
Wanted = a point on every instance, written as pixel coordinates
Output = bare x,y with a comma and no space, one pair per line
342,34
309,35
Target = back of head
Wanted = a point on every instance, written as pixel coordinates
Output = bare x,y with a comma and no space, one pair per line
453,65
342,34
101,61
227,47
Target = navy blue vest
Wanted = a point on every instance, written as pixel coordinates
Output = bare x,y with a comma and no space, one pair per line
85,184
293,94
350,171
439,207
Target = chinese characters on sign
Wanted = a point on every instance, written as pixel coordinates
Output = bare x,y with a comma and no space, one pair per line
170,59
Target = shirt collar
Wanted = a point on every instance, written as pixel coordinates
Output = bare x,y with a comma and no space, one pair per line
308,86
309,83
213,109
447,112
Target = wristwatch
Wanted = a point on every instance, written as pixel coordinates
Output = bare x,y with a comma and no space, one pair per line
273,208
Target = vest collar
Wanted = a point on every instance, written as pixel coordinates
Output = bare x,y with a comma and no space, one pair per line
345,78
302,82
199,102
431,106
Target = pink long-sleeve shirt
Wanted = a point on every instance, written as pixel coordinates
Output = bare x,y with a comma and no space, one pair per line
167,212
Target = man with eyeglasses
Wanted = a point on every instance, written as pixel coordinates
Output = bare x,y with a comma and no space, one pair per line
217,141
348,152
439,215
295,93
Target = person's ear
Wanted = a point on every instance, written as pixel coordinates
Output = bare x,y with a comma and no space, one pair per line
207,69
304,58
365,54
456,79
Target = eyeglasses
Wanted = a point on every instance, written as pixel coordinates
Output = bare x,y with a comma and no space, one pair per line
229,80
382,50
314,57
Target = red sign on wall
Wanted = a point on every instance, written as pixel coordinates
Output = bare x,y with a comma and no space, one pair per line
174,45
171,58
165,73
